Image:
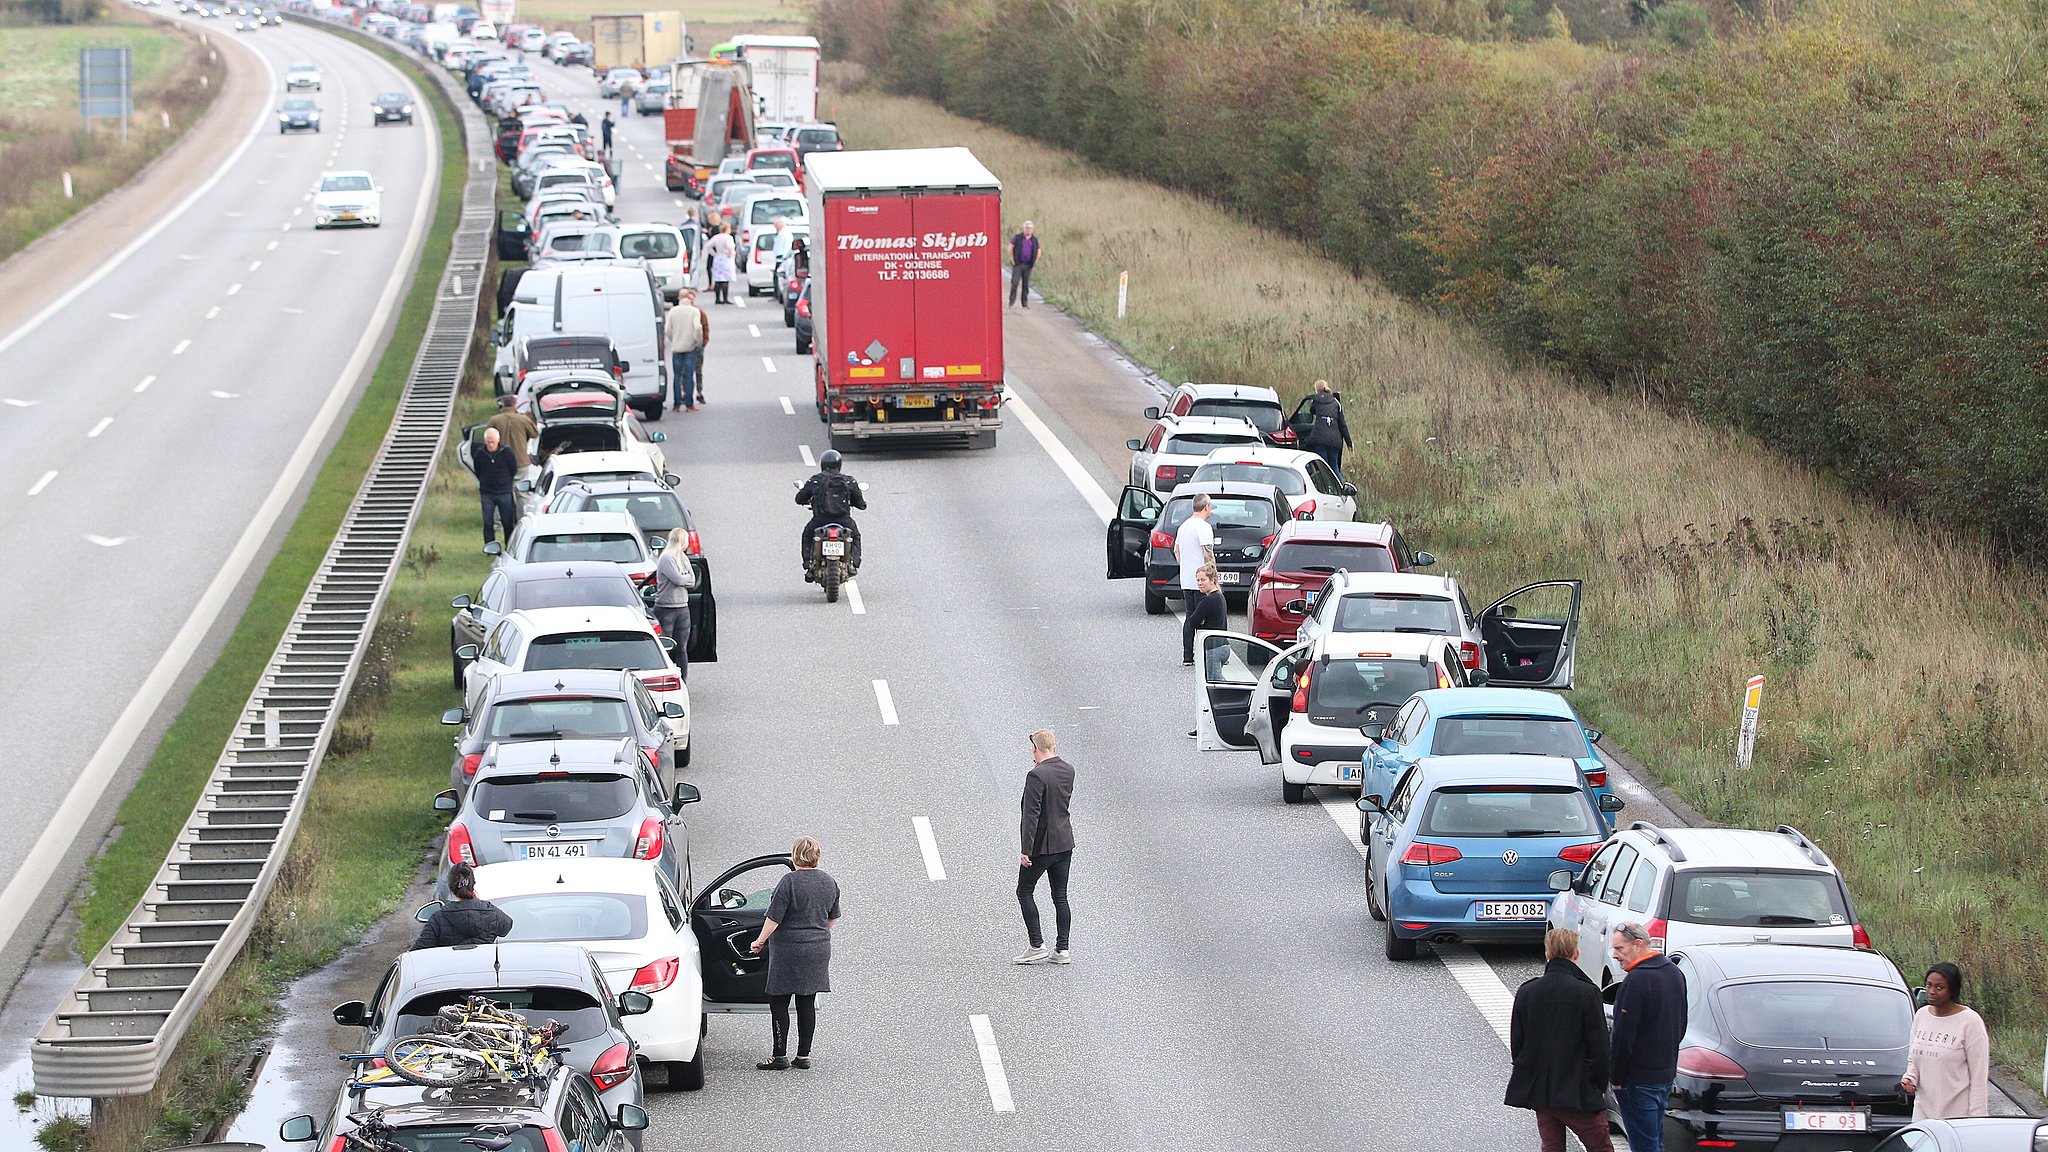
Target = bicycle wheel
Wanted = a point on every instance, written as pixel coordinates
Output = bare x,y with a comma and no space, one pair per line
432,1062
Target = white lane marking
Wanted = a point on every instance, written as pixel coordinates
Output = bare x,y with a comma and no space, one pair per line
296,311
992,1064
740,300
307,196
270,247
146,382
255,264
886,701
788,409
213,311
853,600
287,226
1098,500
88,789
928,844
298,210
234,288
754,330
99,427
183,256
120,316
107,541
180,349
679,204
645,164
13,403
804,450
330,251
217,394
236,214
768,363
36,489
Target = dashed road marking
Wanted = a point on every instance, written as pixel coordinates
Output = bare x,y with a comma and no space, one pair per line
146,382
853,600
213,311
217,394
992,1064
804,451
99,427
180,349
234,288
36,489
107,541
934,868
754,330
788,409
768,363
255,264
270,247
11,402
120,315
886,701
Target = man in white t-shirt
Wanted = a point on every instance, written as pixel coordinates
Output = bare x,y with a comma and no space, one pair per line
1193,546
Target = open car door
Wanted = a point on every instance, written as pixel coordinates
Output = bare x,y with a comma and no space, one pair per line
1273,702
1301,420
1531,635
1232,667
726,918
472,438
703,616
1130,533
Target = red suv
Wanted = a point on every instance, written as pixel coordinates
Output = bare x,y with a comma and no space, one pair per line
1304,555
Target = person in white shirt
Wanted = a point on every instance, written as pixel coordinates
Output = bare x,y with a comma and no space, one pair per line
1193,546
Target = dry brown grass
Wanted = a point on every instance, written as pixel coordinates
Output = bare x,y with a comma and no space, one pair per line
1903,721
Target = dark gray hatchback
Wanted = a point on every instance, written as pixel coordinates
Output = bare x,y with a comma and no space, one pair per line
1246,519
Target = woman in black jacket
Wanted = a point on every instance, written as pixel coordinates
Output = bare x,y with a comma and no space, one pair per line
464,920
1557,1042
1328,435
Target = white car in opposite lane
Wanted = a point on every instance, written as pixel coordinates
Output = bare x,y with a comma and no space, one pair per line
348,198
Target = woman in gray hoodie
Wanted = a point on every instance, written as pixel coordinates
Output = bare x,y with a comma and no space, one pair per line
674,576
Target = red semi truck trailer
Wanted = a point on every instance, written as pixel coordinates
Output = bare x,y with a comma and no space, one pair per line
906,294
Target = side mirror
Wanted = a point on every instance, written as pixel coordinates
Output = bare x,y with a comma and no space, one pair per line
354,1014
453,717
1424,559
657,437
494,548
298,1130
522,486
1305,514
1151,413
1478,677
1593,735
1561,880
668,643
686,794
1134,445
624,366
427,911
1347,487
459,602
1373,802
446,801
672,710
1372,732
631,1117
635,1004
671,479
1612,803
656,544
1297,607
1919,997
468,652
497,341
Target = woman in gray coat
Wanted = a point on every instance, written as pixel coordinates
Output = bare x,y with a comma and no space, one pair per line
674,576
801,915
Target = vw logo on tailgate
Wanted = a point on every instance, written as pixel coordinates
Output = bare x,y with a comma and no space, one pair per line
1509,857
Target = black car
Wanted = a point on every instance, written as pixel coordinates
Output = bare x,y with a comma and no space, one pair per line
658,511
809,138
298,114
1789,1046
563,1111
391,108
1246,518
567,353
1978,1134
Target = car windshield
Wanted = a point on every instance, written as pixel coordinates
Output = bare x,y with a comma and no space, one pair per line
651,245
579,1013
1226,512
1301,555
550,357
558,179
1509,810
567,717
442,1138
612,591
1817,1014
1340,691
298,105
652,511
1265,416
1285,479
346,184
392,98
816,137
780,208
637,650
782,160
617,547
578,916
1508,736
553,798
774,179
1396,612
562,399
1202,443
1758,899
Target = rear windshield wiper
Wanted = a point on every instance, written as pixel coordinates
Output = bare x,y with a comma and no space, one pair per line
547,817
1423,631
543,734
1780,918
1534,832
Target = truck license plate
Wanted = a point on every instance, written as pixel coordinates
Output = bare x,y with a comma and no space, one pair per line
1513,909
552,851
915,402
835,547
1827,1120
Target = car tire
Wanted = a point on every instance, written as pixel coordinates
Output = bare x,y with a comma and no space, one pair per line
1398,948
1155,604
789,315
803,346
652,413
281,130
1293,793
456,664
687,1075
1372,894
683,756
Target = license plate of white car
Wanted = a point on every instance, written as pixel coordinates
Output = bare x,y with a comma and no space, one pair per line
1226,577
552,851
1348,773
1827,1120
1513,909
835,547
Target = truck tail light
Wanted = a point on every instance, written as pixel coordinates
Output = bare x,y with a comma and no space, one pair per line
1161,539
460,850
613,1068
1425,853
647,842
656,976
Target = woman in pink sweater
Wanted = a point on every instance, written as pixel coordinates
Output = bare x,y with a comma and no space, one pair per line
1949,1069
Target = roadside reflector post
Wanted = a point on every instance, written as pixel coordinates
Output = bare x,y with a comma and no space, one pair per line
1123,291
1752,705
167,118
67,185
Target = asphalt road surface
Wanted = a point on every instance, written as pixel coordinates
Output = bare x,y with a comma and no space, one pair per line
155,430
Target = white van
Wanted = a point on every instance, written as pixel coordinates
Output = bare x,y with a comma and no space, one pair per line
618,300
759,212
661,247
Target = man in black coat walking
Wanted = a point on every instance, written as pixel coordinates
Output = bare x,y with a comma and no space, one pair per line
1649,1023
497,478
1557,1041
1046,839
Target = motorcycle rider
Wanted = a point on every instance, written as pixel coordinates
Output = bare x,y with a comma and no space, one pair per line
831,495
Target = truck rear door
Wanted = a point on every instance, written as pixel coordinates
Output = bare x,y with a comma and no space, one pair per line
956,279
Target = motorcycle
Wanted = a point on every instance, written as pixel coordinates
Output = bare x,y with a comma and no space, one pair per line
831,561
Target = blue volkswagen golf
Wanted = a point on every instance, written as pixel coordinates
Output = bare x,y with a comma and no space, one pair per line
1463,850
1484,722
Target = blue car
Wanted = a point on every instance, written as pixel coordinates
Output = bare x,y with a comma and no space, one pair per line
1485,722
1463,850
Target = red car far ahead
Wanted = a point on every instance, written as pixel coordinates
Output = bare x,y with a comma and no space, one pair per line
1302,559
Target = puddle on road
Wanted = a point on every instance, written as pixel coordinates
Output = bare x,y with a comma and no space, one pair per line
45,982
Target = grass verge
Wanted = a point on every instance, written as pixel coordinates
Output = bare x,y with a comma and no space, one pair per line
43,137
1902,729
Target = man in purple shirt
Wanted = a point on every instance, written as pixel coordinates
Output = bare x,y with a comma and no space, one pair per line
1023,257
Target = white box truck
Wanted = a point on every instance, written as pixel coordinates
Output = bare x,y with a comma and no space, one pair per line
785,76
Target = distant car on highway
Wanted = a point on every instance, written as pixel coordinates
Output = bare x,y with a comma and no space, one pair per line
302,78
1246,519
651,99
1307,553
1177,445
391,108
618,82
348,198
803,321
247,25
809,138
1261,406
298,114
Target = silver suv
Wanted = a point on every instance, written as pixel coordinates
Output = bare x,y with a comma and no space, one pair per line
1691,886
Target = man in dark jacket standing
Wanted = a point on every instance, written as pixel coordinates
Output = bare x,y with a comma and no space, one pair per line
1649,1022
464,920
497,473
1046,838
1023,258
1557,1041
1328,435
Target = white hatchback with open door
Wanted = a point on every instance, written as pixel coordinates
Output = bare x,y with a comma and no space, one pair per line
1243,696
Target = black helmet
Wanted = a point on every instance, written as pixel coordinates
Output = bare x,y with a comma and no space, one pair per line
830,460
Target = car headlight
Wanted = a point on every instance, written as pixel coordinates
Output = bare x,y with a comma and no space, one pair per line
407,108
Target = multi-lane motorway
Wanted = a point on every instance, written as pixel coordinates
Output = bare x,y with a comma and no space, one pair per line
159,416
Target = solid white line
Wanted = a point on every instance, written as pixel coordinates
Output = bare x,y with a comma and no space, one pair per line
146,382
754,330
853,600
99,427
180,349
992,1064
234,288
1098,500
36,489
887,702
927,843
768,363
788,409
88,789
150,233
804,450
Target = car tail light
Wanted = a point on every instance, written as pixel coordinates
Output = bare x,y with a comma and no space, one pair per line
1300,702
613,1068
1468,651
1424,853
647,844
1578,853
1267,542
470,762
1161,538
618,371
1597,778
1707,1064
656,625
673,682
1656,929
657,975
1860,936
553,1140
460,850
1308,509
803,307
1283,436
653,761
693,546
1167,475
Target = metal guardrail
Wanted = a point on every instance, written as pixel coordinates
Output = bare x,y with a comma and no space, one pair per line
113,1034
